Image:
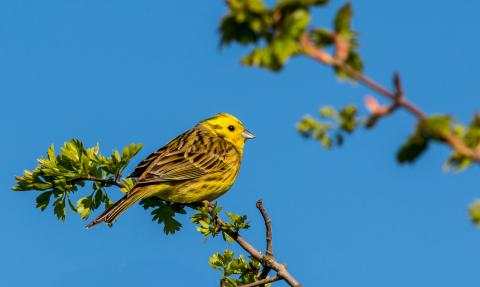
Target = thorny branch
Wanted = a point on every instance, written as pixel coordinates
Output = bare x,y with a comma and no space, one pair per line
267,261
396,97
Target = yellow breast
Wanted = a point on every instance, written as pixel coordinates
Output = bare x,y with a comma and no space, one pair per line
208,187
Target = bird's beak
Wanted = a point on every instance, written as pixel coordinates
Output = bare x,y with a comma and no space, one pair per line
247,135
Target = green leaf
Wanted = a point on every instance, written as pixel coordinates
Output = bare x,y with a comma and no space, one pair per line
51,153
63,174
233,31
235,271
343,19
239,222
43,200
164,213
472,134
355,61
129,184
332,130
59,209
348,122
84,206
474,211
311,128
327,111
435,127
471,137
371,121
205,218
97,199
321,37
431,128
128,153
246,23
72,207
295,24
294,4
273,56
412,149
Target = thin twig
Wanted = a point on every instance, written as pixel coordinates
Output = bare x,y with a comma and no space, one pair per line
402,102
268,238
281,269
311,50
97,179
397,97
262,282
398,86
268,227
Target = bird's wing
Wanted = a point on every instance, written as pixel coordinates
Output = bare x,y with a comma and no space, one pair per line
191,155
144,164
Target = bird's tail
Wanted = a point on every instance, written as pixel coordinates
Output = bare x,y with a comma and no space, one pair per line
114,211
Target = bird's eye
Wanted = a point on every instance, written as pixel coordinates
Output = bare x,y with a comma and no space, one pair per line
231,128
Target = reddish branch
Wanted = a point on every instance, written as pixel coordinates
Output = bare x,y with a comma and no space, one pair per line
267,261
397,96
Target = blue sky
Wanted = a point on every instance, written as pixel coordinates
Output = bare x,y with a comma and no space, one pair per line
117,72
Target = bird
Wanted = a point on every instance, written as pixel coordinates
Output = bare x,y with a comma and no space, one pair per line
199,164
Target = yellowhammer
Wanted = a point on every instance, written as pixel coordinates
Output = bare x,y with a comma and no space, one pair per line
200,164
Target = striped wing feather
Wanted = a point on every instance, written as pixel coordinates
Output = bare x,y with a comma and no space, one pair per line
191,155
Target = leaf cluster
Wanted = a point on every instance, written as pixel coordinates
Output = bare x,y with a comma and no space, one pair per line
470,135
274,32
332,126
164,212
208,224
235,271
342,39
474,211
60,176
433,128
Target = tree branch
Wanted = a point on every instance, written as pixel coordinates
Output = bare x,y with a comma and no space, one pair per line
268,227
97,179
262,282
268,238
266,261
397,97
319,55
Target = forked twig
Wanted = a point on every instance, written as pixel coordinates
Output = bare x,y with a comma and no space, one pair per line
267,261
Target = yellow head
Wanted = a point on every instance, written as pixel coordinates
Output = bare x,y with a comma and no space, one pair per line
229,128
